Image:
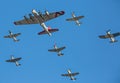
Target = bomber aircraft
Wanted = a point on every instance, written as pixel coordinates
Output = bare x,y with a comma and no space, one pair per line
75,18
14,60
111,36
39,18
70,74
13,36
58,50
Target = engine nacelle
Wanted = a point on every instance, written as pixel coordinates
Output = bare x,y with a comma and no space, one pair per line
47,13
27,20
41,15
31,17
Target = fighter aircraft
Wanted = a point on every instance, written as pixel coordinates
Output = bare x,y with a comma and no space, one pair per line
109,35
58,50
14,60
70,74
39,18
76,19
13,36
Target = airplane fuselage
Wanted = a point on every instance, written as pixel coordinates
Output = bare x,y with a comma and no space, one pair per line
15,60
12,36
70,75
59,52
111,37
42,24
76,21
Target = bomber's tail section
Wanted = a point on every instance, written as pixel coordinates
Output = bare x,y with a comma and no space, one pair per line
48,31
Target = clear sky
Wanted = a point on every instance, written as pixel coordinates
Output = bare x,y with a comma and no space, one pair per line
96,59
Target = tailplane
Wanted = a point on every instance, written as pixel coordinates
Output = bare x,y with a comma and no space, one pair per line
18,64
114,41
60,54
48,31
73,78
17,40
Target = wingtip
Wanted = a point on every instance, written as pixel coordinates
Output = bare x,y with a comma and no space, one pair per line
15,23
63,12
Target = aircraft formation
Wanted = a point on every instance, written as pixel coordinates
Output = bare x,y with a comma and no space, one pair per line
40,18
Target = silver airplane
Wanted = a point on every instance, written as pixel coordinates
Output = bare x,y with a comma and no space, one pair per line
111,36
58,50
70,74
39,18
13,36
14,60
76,19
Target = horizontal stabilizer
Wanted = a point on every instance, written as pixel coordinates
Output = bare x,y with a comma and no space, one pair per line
18,64
113,41
50,30
73,78
60,54
17,40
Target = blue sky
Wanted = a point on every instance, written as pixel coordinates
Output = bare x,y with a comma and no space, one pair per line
97,60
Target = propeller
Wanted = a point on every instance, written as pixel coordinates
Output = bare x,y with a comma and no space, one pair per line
9,31
73,14
12,56
108,30
55,45
25,16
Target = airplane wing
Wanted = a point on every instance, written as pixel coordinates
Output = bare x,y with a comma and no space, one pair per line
13,60
41,20
72,74
103,36
56,50
17,34
65,75
75,18
10,60
8,36
116,34
59,49
26,21
17,59
52,50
